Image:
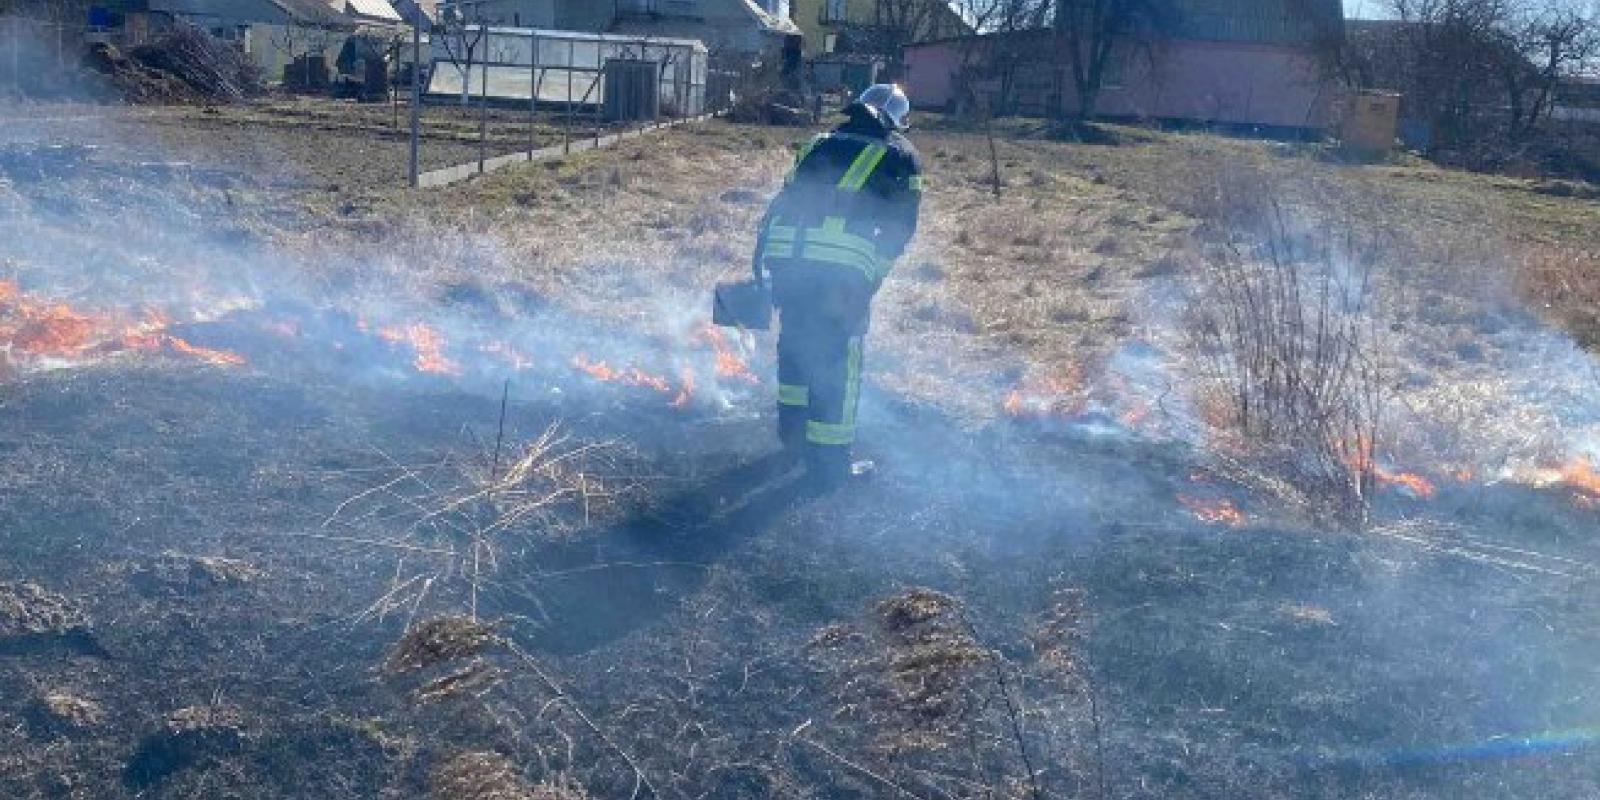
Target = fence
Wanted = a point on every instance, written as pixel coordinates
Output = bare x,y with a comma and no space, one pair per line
570,81
33,51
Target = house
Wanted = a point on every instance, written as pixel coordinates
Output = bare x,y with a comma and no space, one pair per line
1264,64
1577,100
736,26
863,26
272,32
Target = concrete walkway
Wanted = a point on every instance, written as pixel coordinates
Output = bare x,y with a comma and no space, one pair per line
461,172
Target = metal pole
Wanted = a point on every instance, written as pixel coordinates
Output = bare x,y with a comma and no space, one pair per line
599,107
416,94
16,50
533,84
566,129
483,103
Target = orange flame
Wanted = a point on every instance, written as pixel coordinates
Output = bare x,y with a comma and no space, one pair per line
1362,456
1047,396
685,389
1417,485
1135,416
1578,474
31,328
632,376
426,342
729,363
1219,511
1581,475
221,358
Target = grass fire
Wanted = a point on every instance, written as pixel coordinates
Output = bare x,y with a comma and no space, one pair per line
1067,458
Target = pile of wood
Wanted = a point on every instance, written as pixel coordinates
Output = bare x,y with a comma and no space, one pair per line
185,65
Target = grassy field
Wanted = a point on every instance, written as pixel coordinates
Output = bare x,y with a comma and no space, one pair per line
304,393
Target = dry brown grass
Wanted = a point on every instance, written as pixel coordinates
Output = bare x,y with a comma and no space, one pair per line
491,776
1565,283
1044,279
437,641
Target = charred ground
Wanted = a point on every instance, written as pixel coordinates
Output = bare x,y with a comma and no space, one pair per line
189,628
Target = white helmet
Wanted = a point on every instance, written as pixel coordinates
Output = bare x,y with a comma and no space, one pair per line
889,100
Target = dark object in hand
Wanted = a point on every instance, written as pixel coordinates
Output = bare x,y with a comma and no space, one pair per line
743,304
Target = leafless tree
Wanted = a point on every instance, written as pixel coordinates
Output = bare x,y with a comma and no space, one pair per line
1544,46
990,63
1464,61
467,36
1089,33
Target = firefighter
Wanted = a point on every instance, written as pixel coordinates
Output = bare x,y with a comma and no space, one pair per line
846,212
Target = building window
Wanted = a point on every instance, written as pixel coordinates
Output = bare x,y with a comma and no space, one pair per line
835,10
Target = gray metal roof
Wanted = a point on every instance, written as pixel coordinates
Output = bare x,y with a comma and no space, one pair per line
585,36
1251,21
317,11
373,9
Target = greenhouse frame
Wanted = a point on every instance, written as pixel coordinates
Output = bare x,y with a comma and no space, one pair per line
565,69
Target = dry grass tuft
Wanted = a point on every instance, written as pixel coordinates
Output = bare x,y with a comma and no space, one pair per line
205,719
1565,282
27,609
470,681
914,676
913,607
491,776
436,641
460,513
72,710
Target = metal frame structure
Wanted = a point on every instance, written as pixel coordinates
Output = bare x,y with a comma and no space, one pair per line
562,70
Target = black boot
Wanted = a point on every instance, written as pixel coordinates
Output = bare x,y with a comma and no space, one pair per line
827,468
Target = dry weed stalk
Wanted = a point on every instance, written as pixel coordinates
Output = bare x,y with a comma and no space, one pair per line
458,514
1285,328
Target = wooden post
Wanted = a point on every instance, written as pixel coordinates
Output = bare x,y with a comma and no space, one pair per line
533,85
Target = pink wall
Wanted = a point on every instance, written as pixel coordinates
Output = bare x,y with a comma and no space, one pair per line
1251,84
930,74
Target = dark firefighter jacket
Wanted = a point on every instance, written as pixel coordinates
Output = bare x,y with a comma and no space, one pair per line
851,201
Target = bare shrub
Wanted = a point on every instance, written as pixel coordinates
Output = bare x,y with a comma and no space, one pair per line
1283,324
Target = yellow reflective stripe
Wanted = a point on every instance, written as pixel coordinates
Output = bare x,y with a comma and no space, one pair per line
792,395
828,255
852,383
829,244
916,183
866,161
778,251
829,434
844,431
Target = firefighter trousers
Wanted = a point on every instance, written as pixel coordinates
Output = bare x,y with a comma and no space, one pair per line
819,387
